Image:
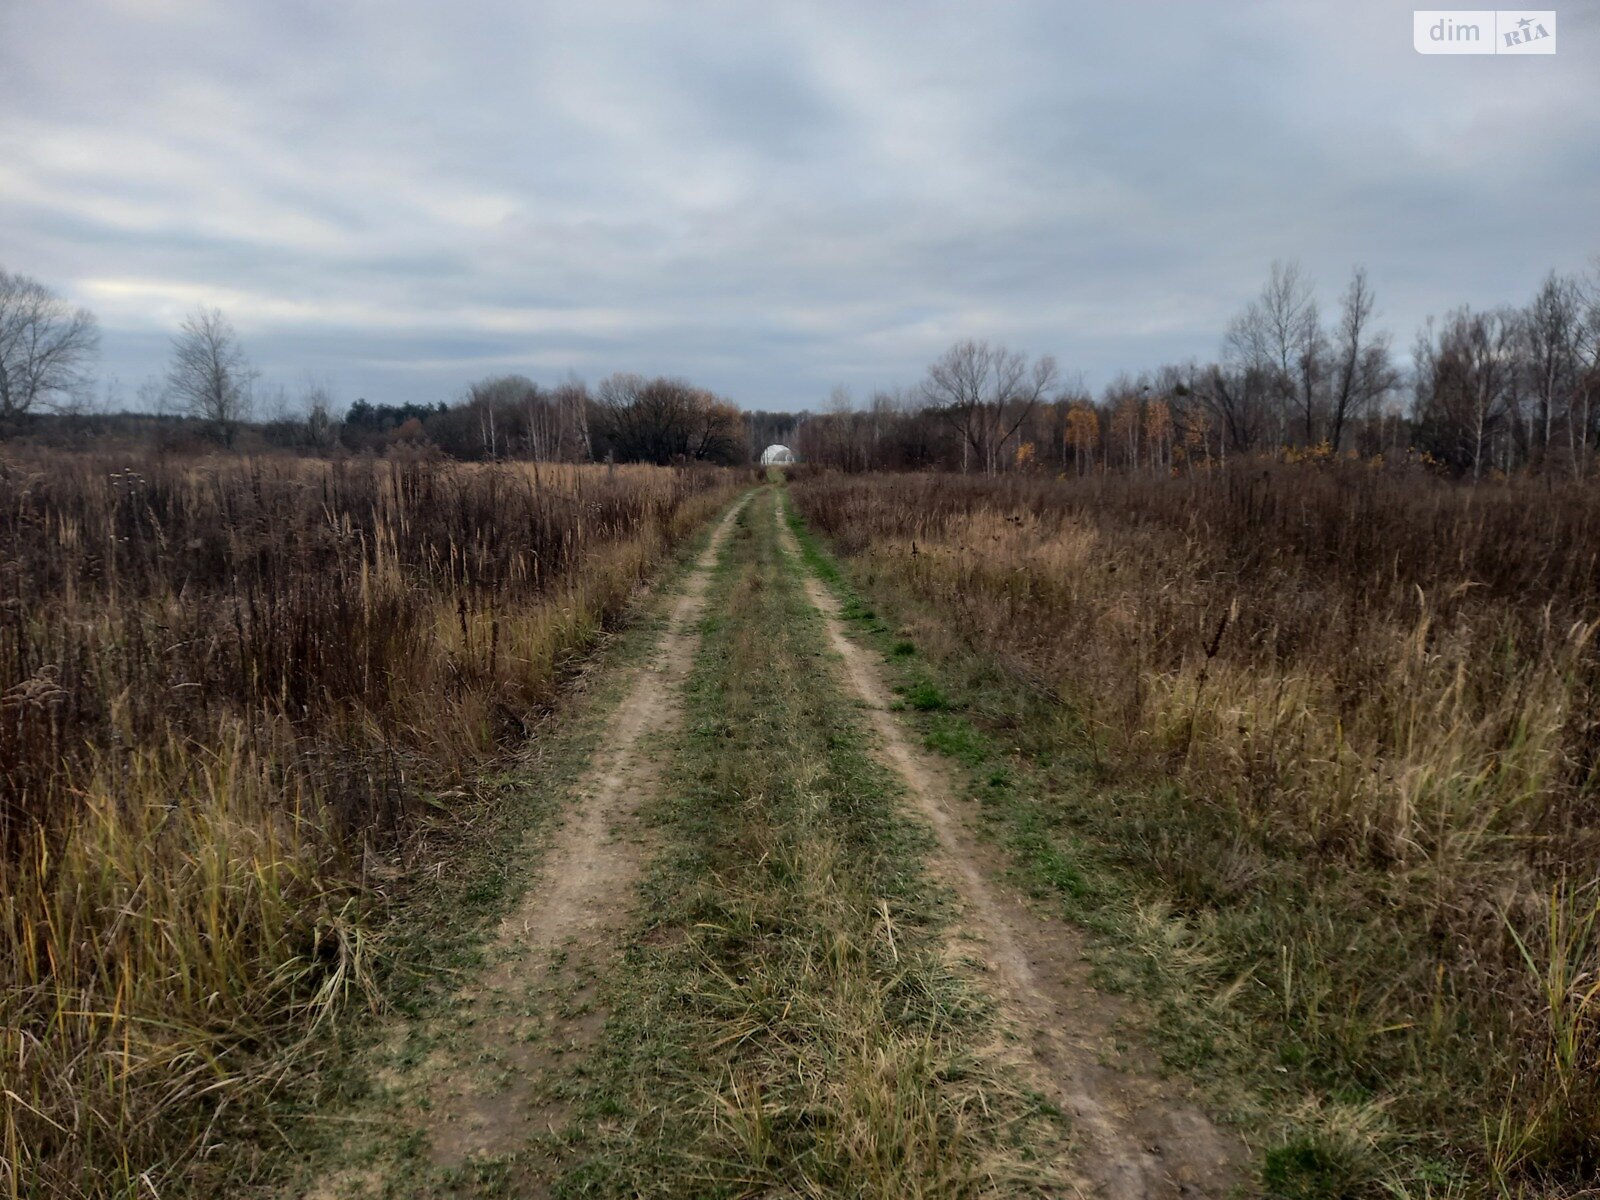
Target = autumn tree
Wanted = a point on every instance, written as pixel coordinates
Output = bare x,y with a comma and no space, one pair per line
1123,401
1196,436
1083,434
1158,433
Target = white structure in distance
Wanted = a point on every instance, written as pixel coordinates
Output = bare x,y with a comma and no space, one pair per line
777,456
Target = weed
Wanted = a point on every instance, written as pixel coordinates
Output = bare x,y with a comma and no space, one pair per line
925,696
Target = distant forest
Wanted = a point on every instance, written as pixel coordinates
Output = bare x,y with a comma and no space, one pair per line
1485,392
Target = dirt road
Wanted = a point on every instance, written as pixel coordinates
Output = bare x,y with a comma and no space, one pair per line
788,1017
1139,1136
537,1003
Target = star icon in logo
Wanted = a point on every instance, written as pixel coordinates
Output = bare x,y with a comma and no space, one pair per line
1524,23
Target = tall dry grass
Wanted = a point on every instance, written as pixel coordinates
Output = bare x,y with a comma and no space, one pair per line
1379,693
221,683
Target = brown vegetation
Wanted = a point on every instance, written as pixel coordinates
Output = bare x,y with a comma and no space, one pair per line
221,683
1377,691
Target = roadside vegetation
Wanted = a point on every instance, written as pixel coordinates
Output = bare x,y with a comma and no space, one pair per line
231,692
1315,746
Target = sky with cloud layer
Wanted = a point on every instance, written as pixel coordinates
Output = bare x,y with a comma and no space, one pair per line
771,198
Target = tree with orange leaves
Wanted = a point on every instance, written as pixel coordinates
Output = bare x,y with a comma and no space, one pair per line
1083,434
1196,435
1158,433
1125,423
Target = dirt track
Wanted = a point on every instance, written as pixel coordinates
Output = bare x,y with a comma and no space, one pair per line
535,1008
1137,1135
500,1089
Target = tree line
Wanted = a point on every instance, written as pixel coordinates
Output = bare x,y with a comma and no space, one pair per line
212,390
1496,389
628,418
1485,390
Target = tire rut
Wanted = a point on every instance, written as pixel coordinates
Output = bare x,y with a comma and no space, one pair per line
535,1008
1138,1137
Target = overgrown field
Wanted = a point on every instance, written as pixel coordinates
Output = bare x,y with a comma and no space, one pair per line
228,690
1321,745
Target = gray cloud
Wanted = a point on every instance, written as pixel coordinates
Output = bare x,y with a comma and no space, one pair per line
769,198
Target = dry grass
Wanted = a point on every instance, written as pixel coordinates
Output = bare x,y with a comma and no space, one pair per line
1378,691
223,684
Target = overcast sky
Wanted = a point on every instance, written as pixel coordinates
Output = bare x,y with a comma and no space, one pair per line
398,196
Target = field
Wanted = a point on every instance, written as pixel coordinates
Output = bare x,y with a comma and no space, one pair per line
232,693
1321,744
387,827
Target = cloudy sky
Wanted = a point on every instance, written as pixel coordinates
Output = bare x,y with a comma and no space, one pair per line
398,196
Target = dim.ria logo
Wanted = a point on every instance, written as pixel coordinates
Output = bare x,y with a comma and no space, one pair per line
1484,31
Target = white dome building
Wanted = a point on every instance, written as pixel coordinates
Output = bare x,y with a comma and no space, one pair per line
777,456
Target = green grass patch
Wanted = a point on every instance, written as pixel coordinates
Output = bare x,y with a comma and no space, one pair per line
926,696
1306,1169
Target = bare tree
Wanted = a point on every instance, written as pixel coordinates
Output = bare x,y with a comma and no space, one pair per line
1237,399
714,431
152,396
985,393
271,405
46,346
572,403
1362,371
1552,334
1279,336
501,403
316,405
1587,386
1466,385
209,375
665,421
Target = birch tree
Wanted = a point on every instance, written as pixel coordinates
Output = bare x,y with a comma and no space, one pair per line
1279,336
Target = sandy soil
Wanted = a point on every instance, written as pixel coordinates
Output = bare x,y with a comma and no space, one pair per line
1137,1136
